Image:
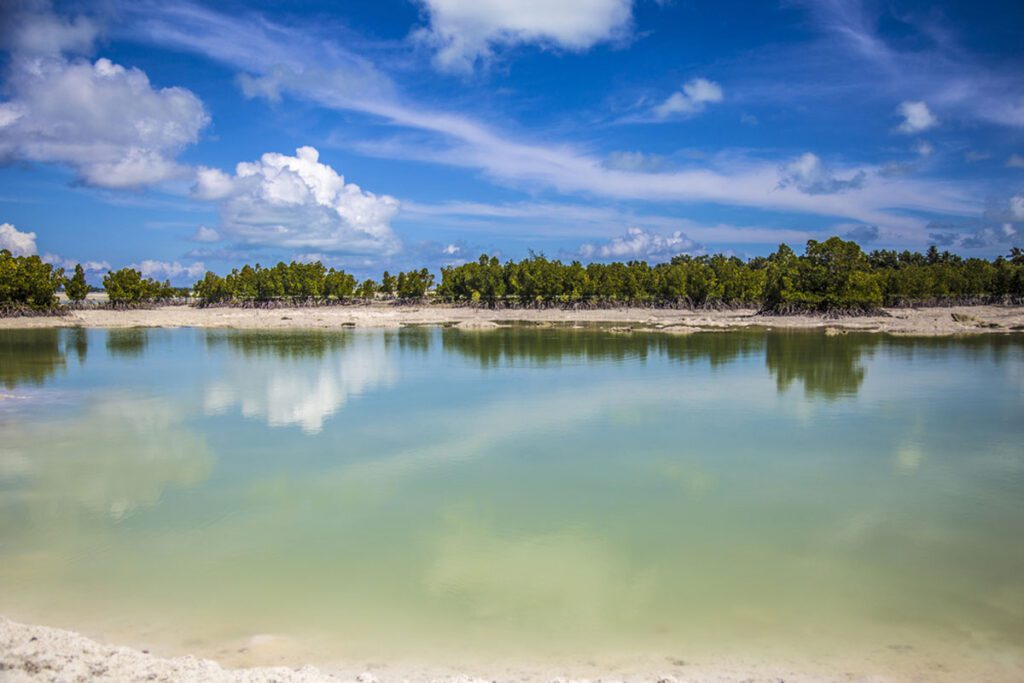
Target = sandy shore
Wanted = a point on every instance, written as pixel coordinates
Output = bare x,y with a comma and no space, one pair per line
39,653
925,321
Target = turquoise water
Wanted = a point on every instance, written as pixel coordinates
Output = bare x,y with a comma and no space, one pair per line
535,493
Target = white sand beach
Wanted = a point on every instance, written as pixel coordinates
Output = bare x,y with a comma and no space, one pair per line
955,320
38,653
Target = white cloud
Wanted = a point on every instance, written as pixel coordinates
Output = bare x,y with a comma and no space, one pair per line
947,71
917,117
298,202
692,99
170,270
302,392
808,174
105,121
989,236
638,243
1017,206
34,32
205,234
17,242
212,184
256,46
924,148
451,249
464,32
1015,161
69,264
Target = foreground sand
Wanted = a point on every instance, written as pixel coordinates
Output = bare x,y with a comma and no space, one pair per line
39,653
925,321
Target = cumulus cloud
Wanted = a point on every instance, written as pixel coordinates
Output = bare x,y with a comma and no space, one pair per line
298,202
692,99
212,184
105,121
924,148
465,32
990,236
69,264
169,270
1015,161
638,243
444,136
917,117
205,234
451,249
1017,206
17,242
808,174
1002,224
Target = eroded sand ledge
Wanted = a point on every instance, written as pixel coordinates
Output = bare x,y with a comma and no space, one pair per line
954,320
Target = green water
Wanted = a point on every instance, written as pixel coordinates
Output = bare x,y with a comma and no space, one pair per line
427,492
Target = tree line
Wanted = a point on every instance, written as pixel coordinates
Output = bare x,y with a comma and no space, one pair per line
834,275
306,283
27,283
831,276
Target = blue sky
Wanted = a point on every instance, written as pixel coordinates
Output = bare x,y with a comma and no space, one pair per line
179,137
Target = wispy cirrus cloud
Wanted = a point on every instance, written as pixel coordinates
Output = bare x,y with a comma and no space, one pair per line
537,220
944,74
262,50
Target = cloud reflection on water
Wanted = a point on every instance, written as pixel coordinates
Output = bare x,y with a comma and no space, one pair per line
297,379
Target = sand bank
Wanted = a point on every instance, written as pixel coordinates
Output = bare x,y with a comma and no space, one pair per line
39,653
925,321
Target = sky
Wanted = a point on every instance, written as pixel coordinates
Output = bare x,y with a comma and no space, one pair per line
178,137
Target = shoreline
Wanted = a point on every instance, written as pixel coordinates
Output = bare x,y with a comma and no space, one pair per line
31,653
946,321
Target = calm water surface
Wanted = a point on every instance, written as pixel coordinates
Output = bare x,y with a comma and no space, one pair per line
530,492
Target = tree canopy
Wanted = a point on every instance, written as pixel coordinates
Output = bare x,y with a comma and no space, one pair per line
128,286
834,275
831,276
28,282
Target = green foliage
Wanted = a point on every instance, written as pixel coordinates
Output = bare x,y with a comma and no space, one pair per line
127,286
367,289
388,284
306,283
26,281
831,276
295,282
414,284
76,287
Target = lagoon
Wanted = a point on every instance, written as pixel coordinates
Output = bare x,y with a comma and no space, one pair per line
545,495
